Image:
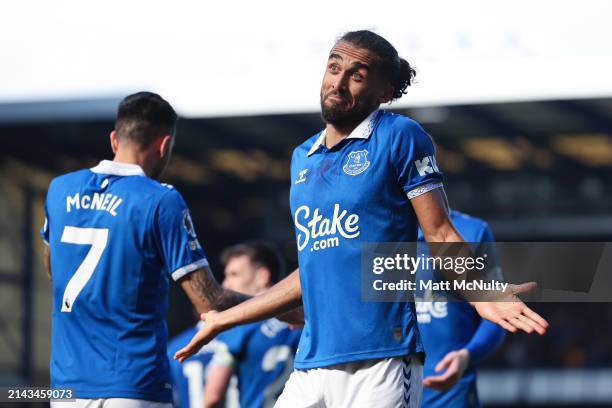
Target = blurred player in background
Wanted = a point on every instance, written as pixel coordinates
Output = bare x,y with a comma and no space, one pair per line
115,236
455,337
188,379
260,354
369,176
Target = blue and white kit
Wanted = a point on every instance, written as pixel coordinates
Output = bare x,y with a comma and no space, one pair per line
115,237
357,192
189,378
262,355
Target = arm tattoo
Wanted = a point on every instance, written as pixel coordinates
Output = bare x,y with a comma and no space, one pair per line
208,289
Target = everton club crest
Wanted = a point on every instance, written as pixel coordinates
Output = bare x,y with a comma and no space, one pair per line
356,163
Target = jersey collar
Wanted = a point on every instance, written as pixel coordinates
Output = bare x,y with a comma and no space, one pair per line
362,131
118,169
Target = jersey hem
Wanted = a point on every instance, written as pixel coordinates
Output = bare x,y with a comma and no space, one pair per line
180,272
349,358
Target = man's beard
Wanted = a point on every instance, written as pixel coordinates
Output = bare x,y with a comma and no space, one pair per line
338,115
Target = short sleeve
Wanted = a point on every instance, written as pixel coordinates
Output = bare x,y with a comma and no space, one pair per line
180,249
233,344
413,155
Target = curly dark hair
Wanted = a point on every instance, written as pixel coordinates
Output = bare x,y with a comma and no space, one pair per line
397,70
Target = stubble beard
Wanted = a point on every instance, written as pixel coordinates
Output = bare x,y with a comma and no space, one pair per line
337,115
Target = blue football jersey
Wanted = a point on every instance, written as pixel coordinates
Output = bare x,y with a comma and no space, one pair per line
115,237
447,326
188,378
357,192
262,354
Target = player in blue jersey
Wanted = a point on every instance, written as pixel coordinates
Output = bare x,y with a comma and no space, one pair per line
188,379
260,354
369,176
455,337
114,238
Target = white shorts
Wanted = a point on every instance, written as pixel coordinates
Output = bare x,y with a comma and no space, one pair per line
387,383
110,403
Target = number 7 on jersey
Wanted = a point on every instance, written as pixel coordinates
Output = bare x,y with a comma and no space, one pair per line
97,238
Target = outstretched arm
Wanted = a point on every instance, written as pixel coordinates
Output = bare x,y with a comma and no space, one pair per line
281,298
508,310
206,294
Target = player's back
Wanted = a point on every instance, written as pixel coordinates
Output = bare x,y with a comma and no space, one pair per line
109,287
188,378
263,353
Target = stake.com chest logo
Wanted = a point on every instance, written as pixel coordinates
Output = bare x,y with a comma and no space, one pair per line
323,232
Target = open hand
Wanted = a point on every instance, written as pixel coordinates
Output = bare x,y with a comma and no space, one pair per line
454,365
510,312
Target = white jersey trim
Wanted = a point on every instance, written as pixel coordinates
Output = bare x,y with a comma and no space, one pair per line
223,357
362,131
420,190
180,272
118,169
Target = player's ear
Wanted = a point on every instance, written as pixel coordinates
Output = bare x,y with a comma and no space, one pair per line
114,141
165,146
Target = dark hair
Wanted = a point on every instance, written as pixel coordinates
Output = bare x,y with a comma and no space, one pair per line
260,254
143,117
396,69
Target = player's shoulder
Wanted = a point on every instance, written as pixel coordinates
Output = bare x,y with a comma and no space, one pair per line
160,194
236,338
470,227
399,130
69,179
146,184
398,124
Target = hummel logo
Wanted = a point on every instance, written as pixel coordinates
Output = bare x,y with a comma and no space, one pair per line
302,177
